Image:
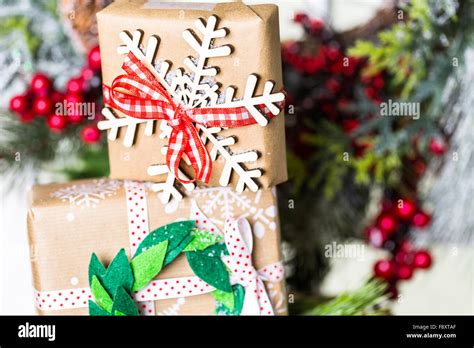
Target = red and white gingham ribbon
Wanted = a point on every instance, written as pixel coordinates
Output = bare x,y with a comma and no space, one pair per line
139,94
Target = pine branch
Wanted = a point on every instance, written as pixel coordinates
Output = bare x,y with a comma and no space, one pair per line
367,300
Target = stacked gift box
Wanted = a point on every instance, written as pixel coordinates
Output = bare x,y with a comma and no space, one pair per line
187,223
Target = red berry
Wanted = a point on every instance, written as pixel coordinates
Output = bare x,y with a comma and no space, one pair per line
384,269
317,24
90,134
350,68
336,68
333,85
57,123
73,99
19,103
72,108
75,85
378,82
376,236
42,105
422,259
300,17
26,116
40,84
75,118
87,73
421,219
404,272
57,97
387,222
94,58
370,92
350,125
405,209
437,147
404,257
406,246
332,52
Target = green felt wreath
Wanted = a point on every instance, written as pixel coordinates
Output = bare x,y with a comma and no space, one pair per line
111,287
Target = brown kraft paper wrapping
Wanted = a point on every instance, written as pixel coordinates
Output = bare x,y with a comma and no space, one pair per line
64,231
253,34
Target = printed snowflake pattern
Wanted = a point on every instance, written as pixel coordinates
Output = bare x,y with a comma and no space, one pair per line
278,298
220,203
87,195
197,88
174,308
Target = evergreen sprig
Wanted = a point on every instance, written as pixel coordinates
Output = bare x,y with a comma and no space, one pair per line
423,55
369,299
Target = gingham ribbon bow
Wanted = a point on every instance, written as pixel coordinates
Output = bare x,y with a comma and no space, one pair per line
139,94
239,240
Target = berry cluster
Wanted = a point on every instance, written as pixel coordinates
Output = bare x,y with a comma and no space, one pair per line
329,87
323,81
59,109
390,232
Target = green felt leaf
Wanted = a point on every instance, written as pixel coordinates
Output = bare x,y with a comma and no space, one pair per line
95,310
96,267
172,254
239,294
123,304
174,233
102,298
226,298
148,264
119,274
208,266
202,239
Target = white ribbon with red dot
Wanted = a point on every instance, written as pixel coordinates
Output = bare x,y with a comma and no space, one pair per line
138,227
238,238
62,299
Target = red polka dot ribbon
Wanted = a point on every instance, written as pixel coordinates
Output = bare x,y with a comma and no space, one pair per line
239,240
139,94
161,289
62,299
138,227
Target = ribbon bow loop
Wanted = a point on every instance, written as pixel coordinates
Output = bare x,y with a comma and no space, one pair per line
239,240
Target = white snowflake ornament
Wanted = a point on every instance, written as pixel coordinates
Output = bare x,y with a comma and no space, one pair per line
196,88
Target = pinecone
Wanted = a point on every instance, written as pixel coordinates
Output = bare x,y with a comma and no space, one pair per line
80,21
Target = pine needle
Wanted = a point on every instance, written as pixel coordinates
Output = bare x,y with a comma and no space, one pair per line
367,300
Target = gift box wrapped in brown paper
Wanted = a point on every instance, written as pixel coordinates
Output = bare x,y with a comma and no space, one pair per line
68,222
252,35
